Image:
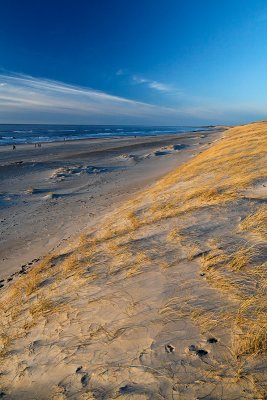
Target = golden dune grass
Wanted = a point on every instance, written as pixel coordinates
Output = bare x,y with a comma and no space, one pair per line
256,223
217,176
215,179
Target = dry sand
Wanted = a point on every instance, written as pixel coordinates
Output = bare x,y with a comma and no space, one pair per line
163,297
49,195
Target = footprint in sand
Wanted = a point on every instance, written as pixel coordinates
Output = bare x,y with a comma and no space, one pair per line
169,348
212,340
199,352
84,378
75,382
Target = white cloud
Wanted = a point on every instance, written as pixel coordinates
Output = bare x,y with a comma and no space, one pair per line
28,99
120,72
159,86
34,100
25,94
138,80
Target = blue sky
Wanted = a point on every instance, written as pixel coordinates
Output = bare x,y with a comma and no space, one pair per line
166,62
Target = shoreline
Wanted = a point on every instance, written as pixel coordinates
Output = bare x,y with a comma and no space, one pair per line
115,136
32,223
108,138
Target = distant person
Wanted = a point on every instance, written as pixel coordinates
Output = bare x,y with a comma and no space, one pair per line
35,145
14,147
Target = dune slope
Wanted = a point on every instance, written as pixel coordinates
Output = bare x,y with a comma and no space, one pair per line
164,299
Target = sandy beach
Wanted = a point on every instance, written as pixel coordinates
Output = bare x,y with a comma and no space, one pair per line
49,195
161,292
133,200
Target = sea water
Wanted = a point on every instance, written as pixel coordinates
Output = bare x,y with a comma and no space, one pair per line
21,134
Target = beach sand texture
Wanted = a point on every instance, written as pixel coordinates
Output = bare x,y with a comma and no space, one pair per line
50,194
163,298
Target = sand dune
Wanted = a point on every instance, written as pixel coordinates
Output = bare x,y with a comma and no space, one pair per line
164,298
50,195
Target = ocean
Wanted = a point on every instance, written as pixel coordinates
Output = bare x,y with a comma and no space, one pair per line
21,133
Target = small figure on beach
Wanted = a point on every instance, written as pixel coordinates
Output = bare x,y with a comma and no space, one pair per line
14,147
35,145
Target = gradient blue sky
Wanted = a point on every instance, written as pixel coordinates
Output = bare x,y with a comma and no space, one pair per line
167,62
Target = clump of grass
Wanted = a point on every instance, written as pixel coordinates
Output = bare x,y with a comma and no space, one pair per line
251,323
192,251
32,284
83,241
175,236
43,306
5,341
12,298
164,265
250,334
140,260
15,298
256,223
242,258
212,259
114,246
207,320
109,231
218,268
58,393
219,280
121,256
186,306
252,338
36,275
135,223
70,264
207,195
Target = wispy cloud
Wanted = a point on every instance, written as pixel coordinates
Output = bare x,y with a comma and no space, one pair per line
32,96
152,84
27,99
120,72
